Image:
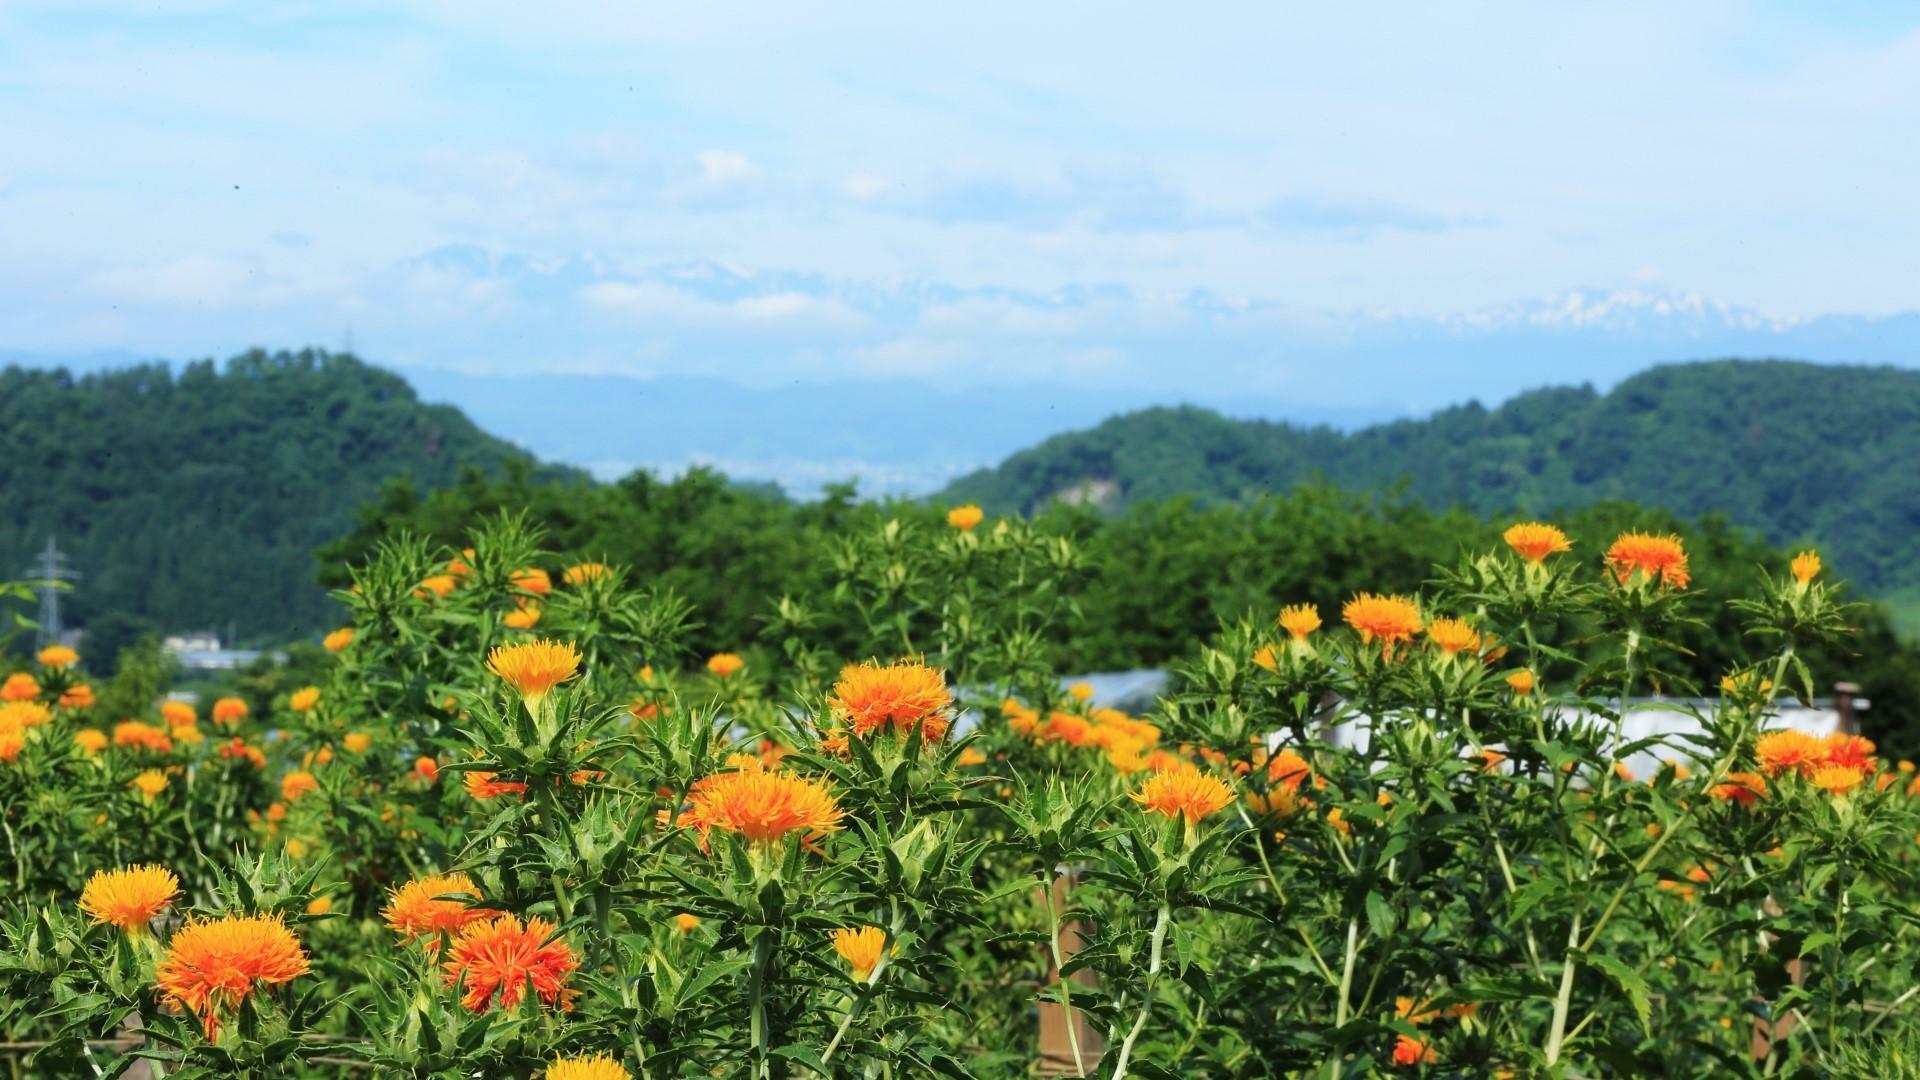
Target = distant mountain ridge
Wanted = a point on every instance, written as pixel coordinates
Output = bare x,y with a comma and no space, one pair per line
1801,452
194,497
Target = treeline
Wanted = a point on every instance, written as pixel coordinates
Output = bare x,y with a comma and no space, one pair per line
1159,578
1801,452
194,499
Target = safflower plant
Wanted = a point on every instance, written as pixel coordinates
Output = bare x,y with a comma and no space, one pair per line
521,828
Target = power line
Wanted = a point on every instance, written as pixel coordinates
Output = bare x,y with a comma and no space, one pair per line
49,572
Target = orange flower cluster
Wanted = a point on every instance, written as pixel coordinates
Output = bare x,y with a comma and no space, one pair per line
760,804
129,898
141,736
534,668
1661,558
1184,793
902,696
965,518
20,686
581,573
1534,541
497,958
58,656
1453,636
861,949
1388,619
229,710
725,664
602,1067
431,906
1836,763
211,966
238,748
1745,788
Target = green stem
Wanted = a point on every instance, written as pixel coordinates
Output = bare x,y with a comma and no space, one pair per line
1346,987
757,989
1565,997
1160,924
1060,978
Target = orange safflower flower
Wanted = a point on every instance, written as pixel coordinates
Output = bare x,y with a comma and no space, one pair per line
1656,557
338,640
601,1067
762,806
1806,567
1388,618
426,769
1081,691
534,580
524,617
1299,620
1265,657
1184,794
297,783
1852,751
1521,682
178,713
436,585
21,715
1453,636
58,656
686,923
237,748
150,783
304,699
430,906
135,733
129,898
1069,728
1745,788
1288,769
902,696
965,517
357,741
1490,759
725,664
971,756
534,668
1534,541
459,565
320,905
1408,1050
861,949
501,956
483,786
211,966
229,710
1789,750
92,740
1837,779
77,696
19,686
581,573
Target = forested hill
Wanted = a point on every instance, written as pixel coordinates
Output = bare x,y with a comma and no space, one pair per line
1798,451
196,499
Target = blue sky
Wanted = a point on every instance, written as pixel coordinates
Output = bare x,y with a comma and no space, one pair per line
1141,195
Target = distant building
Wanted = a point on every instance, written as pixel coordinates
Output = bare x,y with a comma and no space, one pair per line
201,651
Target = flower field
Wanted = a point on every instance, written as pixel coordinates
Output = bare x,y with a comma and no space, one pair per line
519,830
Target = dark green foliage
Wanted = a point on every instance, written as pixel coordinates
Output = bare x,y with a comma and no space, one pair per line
1801,452
196,499
1162,576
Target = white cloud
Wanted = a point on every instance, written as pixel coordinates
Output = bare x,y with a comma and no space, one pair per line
726,167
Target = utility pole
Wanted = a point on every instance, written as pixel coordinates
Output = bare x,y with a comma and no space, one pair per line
49,572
